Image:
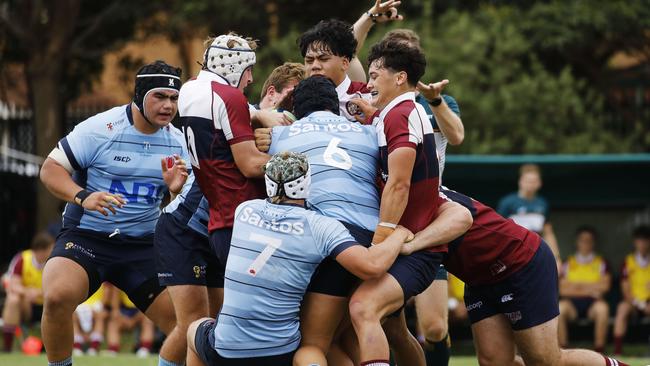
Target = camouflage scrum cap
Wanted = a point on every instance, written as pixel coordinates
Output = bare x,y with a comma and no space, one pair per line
287,174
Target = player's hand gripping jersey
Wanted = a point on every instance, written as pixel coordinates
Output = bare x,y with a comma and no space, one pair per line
108,154
344,158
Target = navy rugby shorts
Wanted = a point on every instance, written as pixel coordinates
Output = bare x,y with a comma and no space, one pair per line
330,278
127,262
527,298
183,256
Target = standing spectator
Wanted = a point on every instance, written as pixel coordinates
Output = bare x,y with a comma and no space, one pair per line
528,209
24,295
635,285
584,281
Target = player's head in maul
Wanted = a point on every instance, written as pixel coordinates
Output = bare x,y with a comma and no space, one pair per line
327,48
156,92
287,176
316,93
232,57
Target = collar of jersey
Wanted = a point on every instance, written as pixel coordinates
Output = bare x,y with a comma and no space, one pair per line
317,114
342,89
268,200
207,75
399,99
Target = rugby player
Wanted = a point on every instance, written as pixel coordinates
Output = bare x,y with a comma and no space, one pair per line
108,170
344,157
327,49
276,246
511,289
216,121
410,175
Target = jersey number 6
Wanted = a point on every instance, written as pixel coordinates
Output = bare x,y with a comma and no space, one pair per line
334,151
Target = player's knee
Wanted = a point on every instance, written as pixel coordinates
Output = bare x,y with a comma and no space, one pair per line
58,302
191,332
309,355
495,358
435,330
543,359
362,311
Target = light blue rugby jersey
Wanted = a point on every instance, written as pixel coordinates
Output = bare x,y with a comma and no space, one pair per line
344,157
109,154
275,249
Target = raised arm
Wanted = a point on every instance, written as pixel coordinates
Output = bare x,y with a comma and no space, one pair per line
449,122
379,13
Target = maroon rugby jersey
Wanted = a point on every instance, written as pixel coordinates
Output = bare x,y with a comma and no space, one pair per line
215,115
492,249
348,90
404,123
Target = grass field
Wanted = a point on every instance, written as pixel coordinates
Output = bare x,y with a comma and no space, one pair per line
128,360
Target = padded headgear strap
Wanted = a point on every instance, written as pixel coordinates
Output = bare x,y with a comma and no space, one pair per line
155,76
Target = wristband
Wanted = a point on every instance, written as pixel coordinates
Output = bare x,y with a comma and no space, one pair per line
388,225
435,101
81,196
372,16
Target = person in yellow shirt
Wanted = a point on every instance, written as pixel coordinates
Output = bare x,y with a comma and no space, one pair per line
24,300
584,281
125,316
635,285
457,309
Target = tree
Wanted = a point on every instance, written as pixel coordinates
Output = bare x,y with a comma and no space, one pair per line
61,44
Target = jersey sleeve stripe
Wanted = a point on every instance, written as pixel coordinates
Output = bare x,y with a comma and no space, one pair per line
68,152
340,248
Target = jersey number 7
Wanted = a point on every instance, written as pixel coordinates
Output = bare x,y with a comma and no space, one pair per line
272,244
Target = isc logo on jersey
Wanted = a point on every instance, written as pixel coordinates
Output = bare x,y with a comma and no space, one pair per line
248,216
297,129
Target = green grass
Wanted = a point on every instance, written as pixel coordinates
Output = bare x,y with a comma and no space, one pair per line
16,359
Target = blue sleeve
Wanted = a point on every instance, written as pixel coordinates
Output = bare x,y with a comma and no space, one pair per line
545,209
451,102
504,208
82,144
330,236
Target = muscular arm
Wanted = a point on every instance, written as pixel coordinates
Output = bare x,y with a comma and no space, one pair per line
453,221
450,123
396,192
249,160
367,263
58,181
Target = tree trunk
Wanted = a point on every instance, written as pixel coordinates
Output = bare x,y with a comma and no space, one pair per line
48,107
